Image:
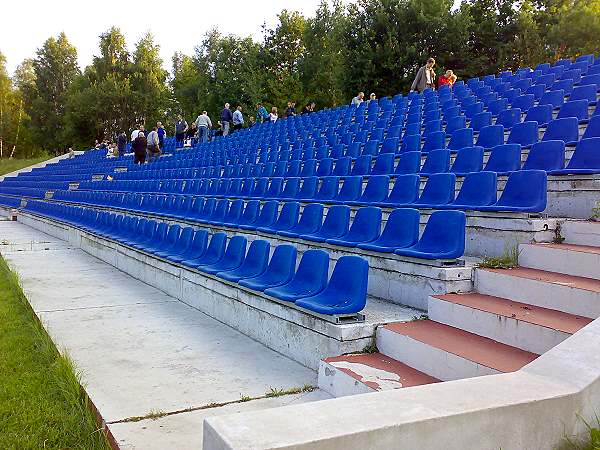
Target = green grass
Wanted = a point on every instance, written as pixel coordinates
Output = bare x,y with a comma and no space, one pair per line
41,403
508,260
10,165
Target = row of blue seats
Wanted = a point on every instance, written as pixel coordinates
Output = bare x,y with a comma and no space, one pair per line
308,286
443,237
525,190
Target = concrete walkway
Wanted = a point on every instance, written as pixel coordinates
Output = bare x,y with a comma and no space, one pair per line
141,352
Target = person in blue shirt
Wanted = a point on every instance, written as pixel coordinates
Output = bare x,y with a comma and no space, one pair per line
162,134
261,113
238,119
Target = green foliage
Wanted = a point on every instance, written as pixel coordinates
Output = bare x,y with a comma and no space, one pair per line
596,211
41,402
591,442
367,45
508,260
10,165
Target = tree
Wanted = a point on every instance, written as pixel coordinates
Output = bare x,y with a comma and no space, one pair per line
55,68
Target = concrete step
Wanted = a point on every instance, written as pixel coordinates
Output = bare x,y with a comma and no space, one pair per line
570,259
567,293
448,353
581,232
367,372
520,325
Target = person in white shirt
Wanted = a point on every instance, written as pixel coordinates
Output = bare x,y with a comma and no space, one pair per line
204,125
273,115
238,119
358,99
153,145
135,133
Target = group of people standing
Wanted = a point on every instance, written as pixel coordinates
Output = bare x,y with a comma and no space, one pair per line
425,78
144,146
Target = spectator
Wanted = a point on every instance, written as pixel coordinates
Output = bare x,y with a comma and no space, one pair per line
372,96
358,99
425,77
191,135
273,115
310,107
153,144
251,121
122,143
139,148
448,78
162,134
135,133
72,153
181,126
204,124
226,118
291,109
238,119
261,113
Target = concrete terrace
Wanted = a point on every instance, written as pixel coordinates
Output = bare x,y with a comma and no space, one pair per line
142,352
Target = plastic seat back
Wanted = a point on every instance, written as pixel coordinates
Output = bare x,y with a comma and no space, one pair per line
308,190
384,164
491,136
509,117
329,188
525,190
546,155
434,141
376,189
566,130
438,161
468,159
524,133
586,155
575,108
483,119
478,189
461,138
250,214
504,159
438,190
405,190
444,234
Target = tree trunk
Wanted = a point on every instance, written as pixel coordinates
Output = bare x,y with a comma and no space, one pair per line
18,128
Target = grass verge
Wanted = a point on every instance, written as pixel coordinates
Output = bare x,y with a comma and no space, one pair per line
10,165
508,260
41,402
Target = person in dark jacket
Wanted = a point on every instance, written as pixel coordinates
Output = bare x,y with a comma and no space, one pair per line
122,143
425,77
226,119
139,148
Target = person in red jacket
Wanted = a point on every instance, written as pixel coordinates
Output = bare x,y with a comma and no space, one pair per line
448,78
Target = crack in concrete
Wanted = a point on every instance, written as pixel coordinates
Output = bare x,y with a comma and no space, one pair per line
155,415
104,306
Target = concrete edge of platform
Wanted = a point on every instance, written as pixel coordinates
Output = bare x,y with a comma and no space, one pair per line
535,407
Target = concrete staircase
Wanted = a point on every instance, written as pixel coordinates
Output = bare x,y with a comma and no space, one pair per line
513,316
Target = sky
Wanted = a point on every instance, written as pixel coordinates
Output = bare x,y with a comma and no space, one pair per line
176,25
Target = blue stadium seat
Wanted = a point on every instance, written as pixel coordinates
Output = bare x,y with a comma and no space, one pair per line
524,102
195,250
310,221
325,167
288,217
411,143
390,145
384,164
375,191
490,136
456,123
350,190
524,133
342,167
267,216
308,190
249,216
232,258
546,155
410,162
554,98
365,228
310,278
401,230
214,252
443,237
497,105
405,191
525,191
566,130
279,271
468,159
438,190
593,128
575,108
434,141
290,190
587,92
585,159
362,166
461,138
346,292
218,216
481,120
335,224
504,159
438,161
541,114
478,189
329,189
255,262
